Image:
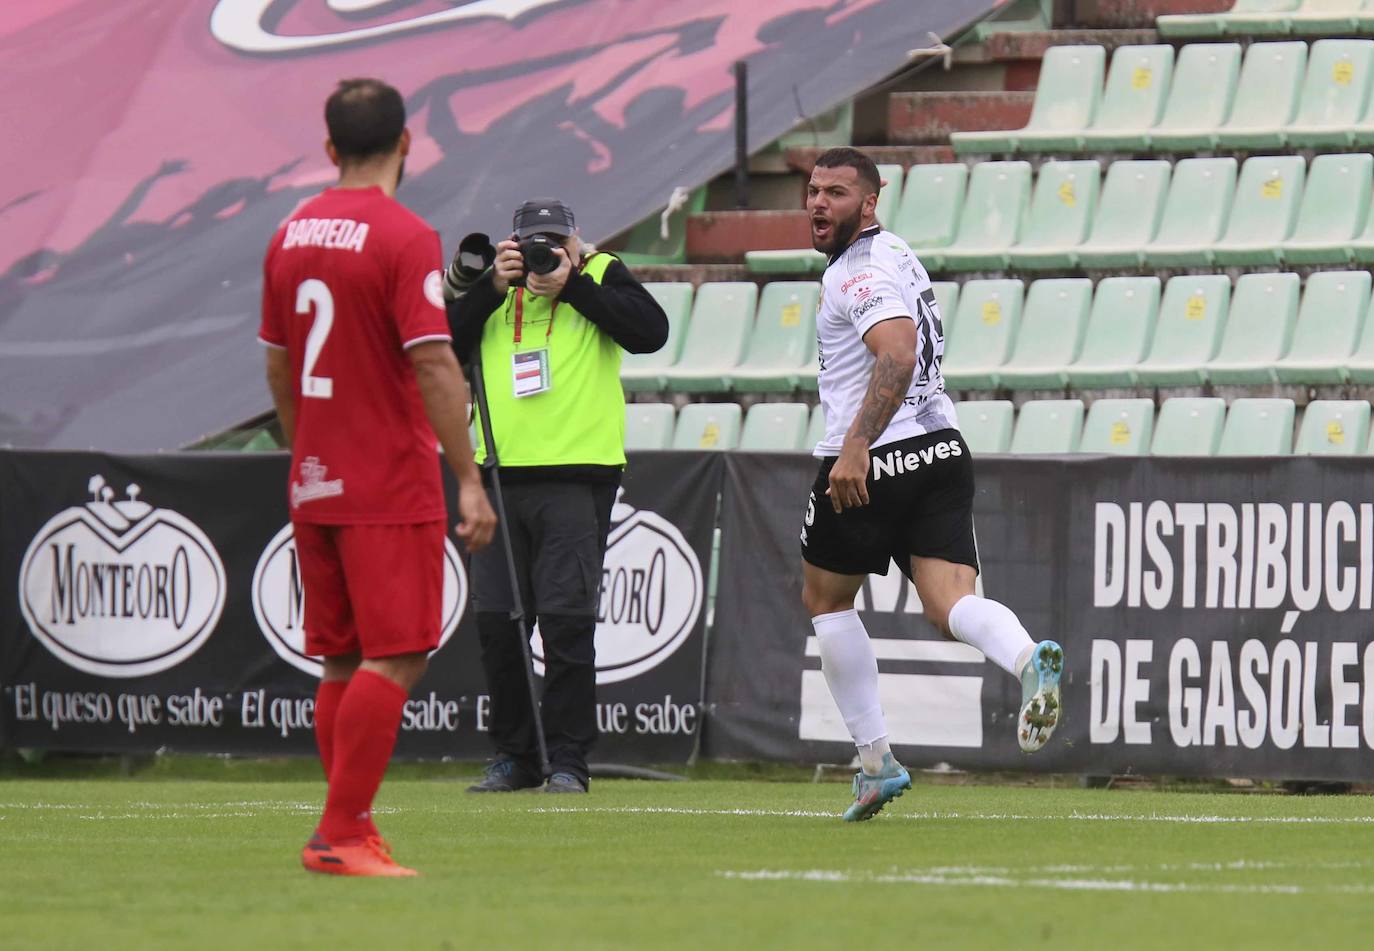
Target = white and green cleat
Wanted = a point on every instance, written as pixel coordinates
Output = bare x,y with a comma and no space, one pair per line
871,793
1041,708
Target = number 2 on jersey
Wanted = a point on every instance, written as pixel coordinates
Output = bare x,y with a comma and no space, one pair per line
316,292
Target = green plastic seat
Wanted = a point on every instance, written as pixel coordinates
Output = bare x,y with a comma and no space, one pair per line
1335,204
1329,322
1364,18
707,426
787,261
783,340
1051,334
827,130
1359,366
1200,98
1061,213
1189,426
1247,16
993,215
890,196
1119,427
722,317
1192,317
815,428
649,425
1195,214
1258,427
647,244
927,218
1335,94
1045,426
986,425
1267,96
989,313
1361,247
947,300
1263,212
1137,88
1333,428
643,372
1120,330
1259,329
775,427
1128,215
1324,17
1066,100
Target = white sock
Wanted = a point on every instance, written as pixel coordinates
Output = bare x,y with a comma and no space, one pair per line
851,672
871,755
993,629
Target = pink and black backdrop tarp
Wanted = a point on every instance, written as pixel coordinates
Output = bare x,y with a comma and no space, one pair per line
152,146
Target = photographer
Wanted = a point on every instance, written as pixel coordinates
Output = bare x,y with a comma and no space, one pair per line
549,328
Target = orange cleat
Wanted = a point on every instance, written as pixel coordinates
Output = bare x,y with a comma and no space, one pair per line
369,857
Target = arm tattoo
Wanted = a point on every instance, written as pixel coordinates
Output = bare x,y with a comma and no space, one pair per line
886,390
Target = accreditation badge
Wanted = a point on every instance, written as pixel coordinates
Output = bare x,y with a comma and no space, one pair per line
530,372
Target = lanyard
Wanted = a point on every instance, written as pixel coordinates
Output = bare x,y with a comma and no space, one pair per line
520,316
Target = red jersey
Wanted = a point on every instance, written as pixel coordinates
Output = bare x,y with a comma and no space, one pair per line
350,281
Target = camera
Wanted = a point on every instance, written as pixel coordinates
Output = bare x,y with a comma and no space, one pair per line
538,250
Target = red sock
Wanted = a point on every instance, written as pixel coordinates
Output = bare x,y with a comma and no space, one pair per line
365,728
326,710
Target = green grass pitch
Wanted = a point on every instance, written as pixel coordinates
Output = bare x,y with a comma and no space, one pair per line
152,863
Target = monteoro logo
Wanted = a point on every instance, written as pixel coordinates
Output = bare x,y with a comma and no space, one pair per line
279,600
121,589
650,598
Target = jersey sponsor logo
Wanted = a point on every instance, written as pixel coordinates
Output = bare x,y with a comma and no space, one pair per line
121,589
313,484
344,234
279,600
863,294
651,596
865,276
896,462
434,289
867,305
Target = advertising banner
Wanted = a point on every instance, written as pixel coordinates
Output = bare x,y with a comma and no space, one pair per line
154,602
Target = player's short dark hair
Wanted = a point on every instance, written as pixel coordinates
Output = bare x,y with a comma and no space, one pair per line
365,117
853,158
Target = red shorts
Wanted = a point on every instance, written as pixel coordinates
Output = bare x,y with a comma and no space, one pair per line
374,589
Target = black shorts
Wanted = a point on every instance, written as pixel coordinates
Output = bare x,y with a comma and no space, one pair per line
920,493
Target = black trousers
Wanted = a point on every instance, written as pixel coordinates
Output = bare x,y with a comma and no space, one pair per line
558,537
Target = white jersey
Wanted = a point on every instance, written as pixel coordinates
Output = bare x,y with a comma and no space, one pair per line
878,278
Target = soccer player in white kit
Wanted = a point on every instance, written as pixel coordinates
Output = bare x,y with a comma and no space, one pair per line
896,478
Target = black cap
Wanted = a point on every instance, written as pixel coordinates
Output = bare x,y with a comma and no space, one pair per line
543,216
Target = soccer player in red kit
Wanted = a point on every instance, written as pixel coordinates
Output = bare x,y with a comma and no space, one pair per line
364,380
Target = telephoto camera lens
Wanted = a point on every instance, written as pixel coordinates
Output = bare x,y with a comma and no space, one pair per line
538,251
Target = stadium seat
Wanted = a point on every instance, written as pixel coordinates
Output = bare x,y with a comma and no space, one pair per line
1195,214
1259,329
707,426
890,196
1324,17
1263,212
985,424
928,216
1258,427
775,427
1120,330
1119,427
947,300
1051,334
644,371
1137,88
1128,215
1334,95
994,211
1061,213
1045,426
1066,100
1189,426
1191,319
649,425
1335,203
1266,96
1204,86
789,261
815,429
1328,327
783,340
989,313
1359,366
722,317
646,243
1233,21
1334,428
1361,247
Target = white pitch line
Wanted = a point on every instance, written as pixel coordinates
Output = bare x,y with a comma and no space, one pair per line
970,816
